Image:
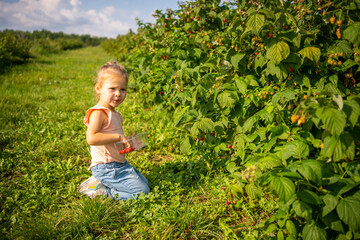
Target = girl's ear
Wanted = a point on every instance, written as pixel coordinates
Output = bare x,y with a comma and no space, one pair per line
97,89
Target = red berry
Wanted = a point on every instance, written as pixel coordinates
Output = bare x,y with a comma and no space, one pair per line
212,134
256,53
290,69
195,139
126,150
202,139
229,146
271,35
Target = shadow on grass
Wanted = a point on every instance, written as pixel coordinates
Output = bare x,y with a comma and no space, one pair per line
188,174
8,68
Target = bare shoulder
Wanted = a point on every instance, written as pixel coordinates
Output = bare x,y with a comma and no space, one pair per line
98,116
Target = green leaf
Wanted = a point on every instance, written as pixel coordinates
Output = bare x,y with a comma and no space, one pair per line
240,145
271,228
353,169
330,89
302,209
278,51
265,115
311,231
309,197
260,61
339,101
283,187
180,116
250,122
352,111
292,19
231,167
330,204
332,148
203,124
348,64
333,221
334,120
347,187
252,190
240,84
255,23
312,53
352,33
236,59
310,169
291,175
276,70
348,210
185,145
227,99
267,12
296,149
338,148
251,80
297,40
270,161
288,94
344,47
334,79
290,226
294,61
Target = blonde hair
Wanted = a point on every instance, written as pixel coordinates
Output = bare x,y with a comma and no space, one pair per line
110,70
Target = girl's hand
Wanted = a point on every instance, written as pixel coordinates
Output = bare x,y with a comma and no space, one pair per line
125,141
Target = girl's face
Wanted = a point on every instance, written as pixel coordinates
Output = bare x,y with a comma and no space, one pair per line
112,93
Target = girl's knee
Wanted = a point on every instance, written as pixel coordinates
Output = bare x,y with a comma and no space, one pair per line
145,188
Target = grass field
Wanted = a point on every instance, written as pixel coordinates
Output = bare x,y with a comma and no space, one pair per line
44,157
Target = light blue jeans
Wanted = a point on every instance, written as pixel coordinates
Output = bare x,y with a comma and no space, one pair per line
122,180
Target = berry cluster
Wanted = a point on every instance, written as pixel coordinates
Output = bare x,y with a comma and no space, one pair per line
127,150
249,173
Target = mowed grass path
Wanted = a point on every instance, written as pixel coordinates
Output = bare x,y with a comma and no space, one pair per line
44,157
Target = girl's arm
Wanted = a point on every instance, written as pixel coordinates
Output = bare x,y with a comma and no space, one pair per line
93,134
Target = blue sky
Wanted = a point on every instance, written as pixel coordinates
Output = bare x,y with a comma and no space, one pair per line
107,18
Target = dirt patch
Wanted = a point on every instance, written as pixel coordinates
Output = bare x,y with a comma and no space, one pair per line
160,159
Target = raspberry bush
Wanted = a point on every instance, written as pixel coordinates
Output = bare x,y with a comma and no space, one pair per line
269,87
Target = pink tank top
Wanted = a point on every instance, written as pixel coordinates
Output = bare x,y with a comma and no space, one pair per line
108,152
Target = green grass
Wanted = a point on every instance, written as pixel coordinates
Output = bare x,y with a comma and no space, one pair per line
44,157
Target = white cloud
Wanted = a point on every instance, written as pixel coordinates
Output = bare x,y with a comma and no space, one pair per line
75,3
109,11
66,16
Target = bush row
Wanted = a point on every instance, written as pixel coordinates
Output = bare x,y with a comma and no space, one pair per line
270,87
18,46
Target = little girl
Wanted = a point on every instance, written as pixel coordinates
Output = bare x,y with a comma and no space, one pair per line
114,176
